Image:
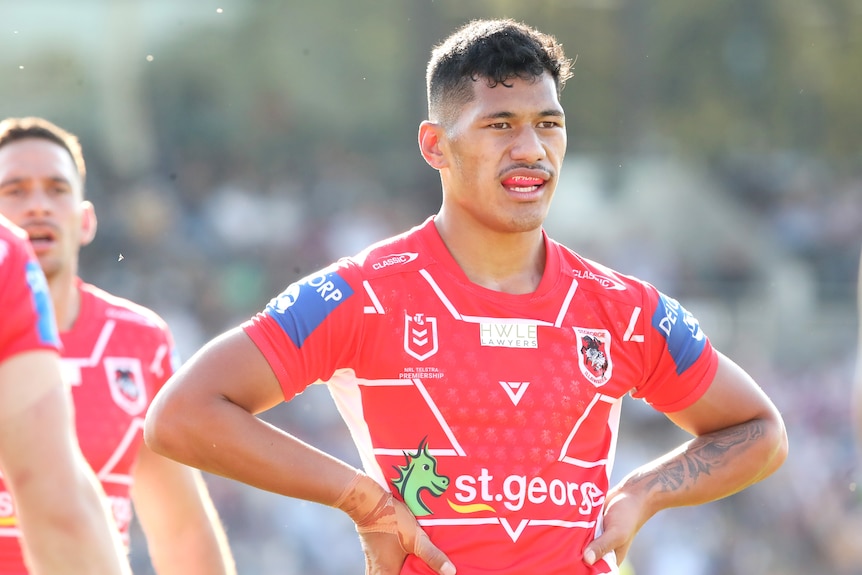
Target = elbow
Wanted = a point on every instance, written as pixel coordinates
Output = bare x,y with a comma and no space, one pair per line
779,446
162,427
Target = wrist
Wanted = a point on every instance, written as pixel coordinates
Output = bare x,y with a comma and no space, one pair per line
639,490
362,499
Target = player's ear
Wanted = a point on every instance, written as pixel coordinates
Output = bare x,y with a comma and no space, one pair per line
88,222
431,136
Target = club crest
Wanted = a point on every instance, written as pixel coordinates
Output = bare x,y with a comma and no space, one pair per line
126,381
594,355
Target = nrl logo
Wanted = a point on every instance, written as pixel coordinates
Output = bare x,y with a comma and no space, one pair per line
420,336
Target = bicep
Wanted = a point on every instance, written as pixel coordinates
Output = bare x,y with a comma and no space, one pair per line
230,367
732,398
36,427
27,377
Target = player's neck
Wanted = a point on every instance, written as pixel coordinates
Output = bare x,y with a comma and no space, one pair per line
505,262
66,299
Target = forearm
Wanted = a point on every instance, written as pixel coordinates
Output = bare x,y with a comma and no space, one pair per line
183,530
69,534
204,417
242,447
709,467
60,506
193,552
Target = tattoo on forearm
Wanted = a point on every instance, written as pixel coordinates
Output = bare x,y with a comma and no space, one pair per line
703,455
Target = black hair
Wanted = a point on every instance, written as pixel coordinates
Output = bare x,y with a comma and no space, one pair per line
15,129
495,51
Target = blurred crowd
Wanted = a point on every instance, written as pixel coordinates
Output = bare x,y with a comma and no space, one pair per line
180,104
209,244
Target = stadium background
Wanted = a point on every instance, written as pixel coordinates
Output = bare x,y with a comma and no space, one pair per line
714,150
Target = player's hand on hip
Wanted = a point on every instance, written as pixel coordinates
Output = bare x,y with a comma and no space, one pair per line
624,515
388,529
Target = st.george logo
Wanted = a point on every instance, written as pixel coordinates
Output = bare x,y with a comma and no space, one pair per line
417,476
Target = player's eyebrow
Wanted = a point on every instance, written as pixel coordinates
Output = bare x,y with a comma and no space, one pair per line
506,115
19,179
556,112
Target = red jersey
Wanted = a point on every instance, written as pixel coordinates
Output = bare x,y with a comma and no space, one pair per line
493,416
26,313
116,357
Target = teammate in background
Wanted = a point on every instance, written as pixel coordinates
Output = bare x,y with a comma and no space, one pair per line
479,365
64,531
115,354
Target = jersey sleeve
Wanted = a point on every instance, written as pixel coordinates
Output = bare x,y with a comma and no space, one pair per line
25,303
312,328
680,360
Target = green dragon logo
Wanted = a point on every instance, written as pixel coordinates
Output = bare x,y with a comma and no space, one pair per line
418,475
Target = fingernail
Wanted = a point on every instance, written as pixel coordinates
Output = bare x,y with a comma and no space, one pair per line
448,569
590,556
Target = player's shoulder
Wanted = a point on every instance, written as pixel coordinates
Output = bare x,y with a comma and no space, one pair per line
402,253
601,279
119,308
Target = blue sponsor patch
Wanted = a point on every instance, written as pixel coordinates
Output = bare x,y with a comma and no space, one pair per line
685,340
45,324
305,304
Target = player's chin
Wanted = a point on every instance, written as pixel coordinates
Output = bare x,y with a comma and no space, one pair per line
526,222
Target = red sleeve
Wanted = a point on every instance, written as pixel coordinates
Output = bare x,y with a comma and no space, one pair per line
312,328
25,303
681,362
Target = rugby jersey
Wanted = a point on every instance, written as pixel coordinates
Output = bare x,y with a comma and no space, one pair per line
493,416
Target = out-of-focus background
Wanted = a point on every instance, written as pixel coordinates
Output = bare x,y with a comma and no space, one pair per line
715,149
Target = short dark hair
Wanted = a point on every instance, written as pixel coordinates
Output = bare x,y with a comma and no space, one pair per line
15,129
496,51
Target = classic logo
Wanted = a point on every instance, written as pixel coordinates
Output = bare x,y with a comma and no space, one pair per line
594,354
417,476
126,381
420,336
607,282
394,259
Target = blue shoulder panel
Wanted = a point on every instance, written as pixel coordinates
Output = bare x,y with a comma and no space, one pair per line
681,331
303,306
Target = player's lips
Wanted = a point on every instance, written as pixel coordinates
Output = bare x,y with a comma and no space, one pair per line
42,236
525,181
